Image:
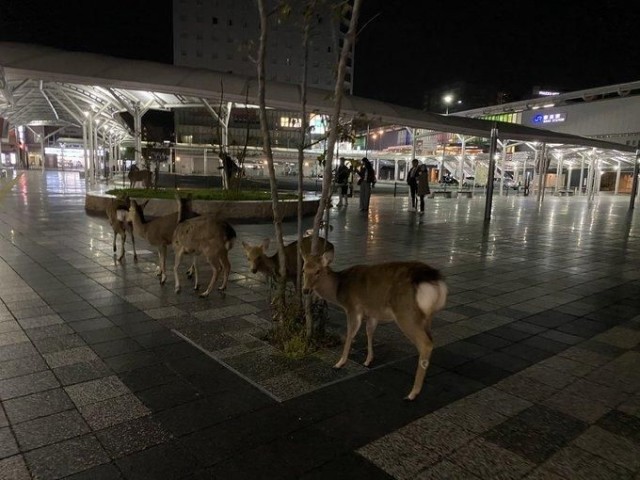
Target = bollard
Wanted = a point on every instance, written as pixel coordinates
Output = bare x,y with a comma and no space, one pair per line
395,188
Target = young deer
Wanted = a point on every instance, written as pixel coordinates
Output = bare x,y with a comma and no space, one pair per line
208,236
408,293
269,266
117,215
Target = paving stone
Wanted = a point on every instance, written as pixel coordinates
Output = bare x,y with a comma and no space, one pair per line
66,458
116,347
10,326
575,463
105,471
167,461
585,356
567,365
3,419
26,384
536,433
614,448
620,337
498,400
51,429
97,323
132,436
82,372
445,470
113,411
548,376
620,374
525,388
586,409
10,338
474,416
8,445
70,356
43,321
17,350
55,330
14,468
57,343
488,460
96,390
37,405
22,366
609,396
621,424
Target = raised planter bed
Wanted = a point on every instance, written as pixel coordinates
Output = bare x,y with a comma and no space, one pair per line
241,211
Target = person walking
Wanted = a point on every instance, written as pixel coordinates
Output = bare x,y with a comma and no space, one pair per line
412,181
342,182
366,181
423,185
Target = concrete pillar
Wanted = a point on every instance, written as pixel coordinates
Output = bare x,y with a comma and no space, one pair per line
461,162
617,178
581,174
493,143
558,173
503,161
569,169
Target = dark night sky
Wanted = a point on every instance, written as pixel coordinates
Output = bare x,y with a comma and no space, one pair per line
410,49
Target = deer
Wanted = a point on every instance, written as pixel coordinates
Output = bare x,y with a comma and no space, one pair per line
158,232
117,214
407,293
208,236
259,261
136,175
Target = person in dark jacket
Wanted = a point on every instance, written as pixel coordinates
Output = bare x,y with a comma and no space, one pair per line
412,181
423,185
367,181
342,182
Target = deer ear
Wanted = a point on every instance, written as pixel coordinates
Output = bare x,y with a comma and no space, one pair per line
265,244
144,204
327,258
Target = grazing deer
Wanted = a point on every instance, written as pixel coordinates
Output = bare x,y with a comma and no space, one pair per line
208,236
118,218
408,293
269,266
136,175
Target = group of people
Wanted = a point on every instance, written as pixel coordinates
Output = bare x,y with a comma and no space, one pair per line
418,180
366,181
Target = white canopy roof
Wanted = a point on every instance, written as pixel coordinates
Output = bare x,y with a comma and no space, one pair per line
46,86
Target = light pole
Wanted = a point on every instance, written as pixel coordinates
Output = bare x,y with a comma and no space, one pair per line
447,99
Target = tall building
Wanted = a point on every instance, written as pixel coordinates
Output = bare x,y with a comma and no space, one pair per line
223,35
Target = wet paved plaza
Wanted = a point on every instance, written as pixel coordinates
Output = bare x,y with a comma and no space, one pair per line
104,374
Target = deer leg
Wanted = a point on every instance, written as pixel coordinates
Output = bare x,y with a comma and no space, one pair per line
115,236
159,267
133,242
226,269
214,278
372,323
163,264
194,269
421,338
190,271
354,320
123,237
176,265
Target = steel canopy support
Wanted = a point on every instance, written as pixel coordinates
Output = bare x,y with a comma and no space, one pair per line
461,162
581,174
493,142
617,178
634,183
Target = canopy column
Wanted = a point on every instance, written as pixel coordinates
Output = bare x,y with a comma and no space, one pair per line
617,178
569,169
503,161
461,162
581,174
634,182
559,166
493,143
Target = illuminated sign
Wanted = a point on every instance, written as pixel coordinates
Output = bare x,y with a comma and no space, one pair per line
549,118
547,93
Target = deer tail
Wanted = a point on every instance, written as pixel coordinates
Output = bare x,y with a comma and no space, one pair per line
229,236
431,297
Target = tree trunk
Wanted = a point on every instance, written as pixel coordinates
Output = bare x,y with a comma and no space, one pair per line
335,120
266,141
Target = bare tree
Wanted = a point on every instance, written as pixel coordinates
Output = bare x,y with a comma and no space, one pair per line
335,119
266,142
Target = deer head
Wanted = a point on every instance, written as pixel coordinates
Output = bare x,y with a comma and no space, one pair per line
256,255
315,267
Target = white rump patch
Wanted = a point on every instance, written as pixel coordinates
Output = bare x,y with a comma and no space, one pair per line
121,215
431,297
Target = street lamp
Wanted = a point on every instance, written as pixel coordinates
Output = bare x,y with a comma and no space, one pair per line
447,99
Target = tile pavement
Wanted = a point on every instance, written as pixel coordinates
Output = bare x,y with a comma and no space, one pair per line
534,374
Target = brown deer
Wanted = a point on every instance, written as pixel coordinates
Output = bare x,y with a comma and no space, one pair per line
269,265
208,236
158,232
117,214
136,175
408,293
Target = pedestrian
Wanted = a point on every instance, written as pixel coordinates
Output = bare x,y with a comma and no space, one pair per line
423,185
366,181
412,181
342,182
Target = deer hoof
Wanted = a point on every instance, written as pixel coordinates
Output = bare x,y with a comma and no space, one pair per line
177,290
411,397
204,294
196,287
189,274
135,258
163,280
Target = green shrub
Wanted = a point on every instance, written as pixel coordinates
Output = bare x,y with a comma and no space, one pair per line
198,194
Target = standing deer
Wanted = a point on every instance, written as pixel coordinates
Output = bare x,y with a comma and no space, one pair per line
136,175
269,266
118,218
208,236
408,293
158,232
